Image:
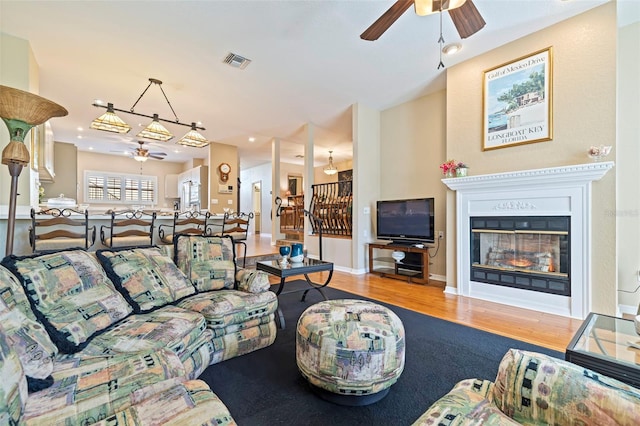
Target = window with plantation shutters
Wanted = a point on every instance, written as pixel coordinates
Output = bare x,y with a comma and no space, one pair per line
112,188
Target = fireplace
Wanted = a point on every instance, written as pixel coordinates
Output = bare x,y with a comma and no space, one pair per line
524,238
525,252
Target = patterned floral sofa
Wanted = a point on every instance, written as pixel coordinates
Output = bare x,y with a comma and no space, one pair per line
536,389
120,336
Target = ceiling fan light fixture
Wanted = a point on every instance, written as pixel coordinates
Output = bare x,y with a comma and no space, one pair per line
451,48
427,7
155,131
193,138
330,169
140,158
110,122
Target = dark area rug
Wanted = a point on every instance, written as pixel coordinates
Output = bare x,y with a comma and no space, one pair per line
265,387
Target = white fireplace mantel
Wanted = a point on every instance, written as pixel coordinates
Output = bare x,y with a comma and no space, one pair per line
554,191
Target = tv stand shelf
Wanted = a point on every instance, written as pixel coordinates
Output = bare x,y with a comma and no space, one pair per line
413,268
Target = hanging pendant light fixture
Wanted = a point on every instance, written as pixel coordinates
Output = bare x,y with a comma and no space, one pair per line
155,131
330,169
193,138
110,122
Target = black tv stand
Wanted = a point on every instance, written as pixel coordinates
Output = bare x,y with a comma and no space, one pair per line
413,268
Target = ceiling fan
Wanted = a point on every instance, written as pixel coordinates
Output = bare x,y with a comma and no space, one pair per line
464,14
142,154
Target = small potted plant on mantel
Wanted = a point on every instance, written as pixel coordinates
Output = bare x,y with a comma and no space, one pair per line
453,168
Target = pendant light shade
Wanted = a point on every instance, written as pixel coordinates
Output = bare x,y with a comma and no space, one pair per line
330,169
155,131
193,138
110,122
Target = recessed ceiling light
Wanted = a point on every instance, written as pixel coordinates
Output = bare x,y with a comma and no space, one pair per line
90,148
451,48
79,136
252,139
80,129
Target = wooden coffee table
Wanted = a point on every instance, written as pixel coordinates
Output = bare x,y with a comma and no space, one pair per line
305,268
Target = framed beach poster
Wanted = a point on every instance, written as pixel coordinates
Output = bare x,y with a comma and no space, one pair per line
517,103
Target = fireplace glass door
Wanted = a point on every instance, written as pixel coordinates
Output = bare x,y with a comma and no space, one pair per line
523,252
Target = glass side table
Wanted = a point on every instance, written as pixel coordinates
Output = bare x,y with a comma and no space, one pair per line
604,344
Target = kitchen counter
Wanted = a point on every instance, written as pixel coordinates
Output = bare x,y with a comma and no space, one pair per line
97,217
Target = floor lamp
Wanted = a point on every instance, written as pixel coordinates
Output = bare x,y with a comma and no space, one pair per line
21,111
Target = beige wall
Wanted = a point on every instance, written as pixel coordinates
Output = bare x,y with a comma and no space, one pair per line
65,160
411,150
627,165
584,109
121,164
18,69
221,153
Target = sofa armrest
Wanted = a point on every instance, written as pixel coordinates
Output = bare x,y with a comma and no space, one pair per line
535,388
465,404
252,281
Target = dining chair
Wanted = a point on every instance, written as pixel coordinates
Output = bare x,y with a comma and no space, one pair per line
128,228
188,222
57,229
236,225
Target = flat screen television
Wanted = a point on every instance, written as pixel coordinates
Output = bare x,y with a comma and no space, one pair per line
406,221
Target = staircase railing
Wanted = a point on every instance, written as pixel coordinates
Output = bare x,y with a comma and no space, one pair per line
332,204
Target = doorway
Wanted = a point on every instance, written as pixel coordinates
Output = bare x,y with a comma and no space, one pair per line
256,205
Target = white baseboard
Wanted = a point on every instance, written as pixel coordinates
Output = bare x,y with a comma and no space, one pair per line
437,277
451,290
627,309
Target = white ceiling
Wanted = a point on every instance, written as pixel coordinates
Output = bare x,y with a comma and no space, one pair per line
309,64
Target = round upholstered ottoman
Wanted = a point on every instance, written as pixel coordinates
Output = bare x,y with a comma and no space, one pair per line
350,351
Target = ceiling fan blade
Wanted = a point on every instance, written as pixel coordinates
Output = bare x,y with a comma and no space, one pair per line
383,23
156,157
163,154
467,19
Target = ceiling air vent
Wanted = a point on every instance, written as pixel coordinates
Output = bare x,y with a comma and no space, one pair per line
236,61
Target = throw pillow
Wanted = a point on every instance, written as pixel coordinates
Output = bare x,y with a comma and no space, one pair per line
253,281
27,336
147,278
207,261
70,295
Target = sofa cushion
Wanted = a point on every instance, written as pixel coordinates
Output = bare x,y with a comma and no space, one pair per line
207,261
70,295
13,385
534,388
147,278
167,327
188,403
89,389
222,308
26,335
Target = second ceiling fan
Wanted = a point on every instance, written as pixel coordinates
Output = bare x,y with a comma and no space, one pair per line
464,14
142,154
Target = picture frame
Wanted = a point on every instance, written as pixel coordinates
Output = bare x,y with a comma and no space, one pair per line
517,101
34,148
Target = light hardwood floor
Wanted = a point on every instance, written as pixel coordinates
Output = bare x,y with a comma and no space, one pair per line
551,331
